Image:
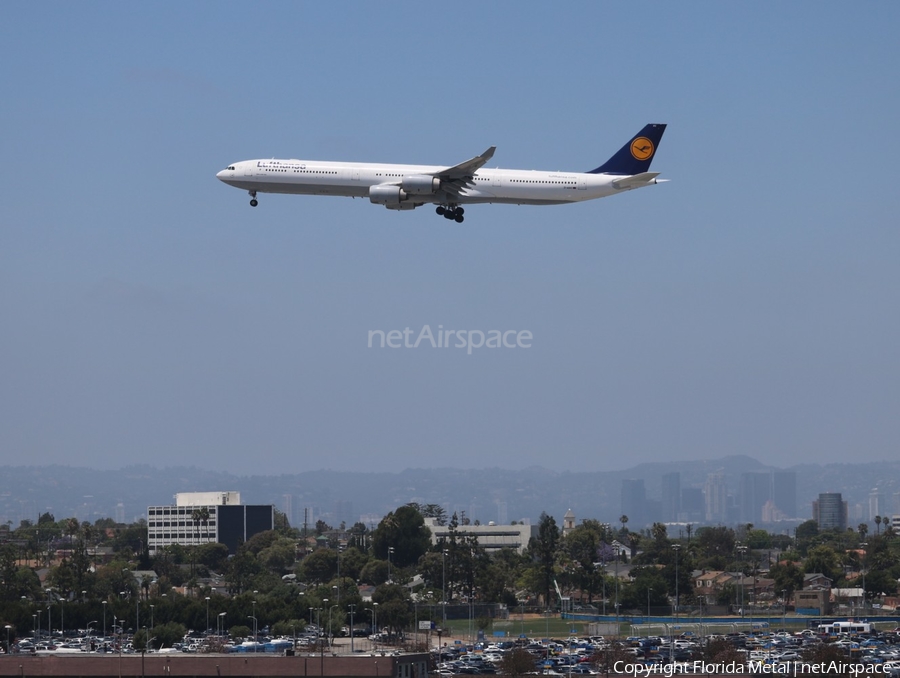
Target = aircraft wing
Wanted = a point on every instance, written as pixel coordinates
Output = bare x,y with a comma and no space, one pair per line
467,168
459,177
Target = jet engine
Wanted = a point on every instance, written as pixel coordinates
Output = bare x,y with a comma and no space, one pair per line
421,184
387,195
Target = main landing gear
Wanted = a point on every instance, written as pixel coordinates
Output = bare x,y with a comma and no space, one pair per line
253,201
452,212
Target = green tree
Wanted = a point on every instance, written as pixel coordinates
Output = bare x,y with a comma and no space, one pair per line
319,566
394,607
374,573
788,577
166,635
403,530
822,559
542,550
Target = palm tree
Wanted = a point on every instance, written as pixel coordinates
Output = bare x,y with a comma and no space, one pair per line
878,521
623,519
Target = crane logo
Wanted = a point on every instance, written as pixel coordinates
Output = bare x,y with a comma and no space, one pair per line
641,148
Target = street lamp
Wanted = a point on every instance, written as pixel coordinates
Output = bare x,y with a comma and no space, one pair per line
375,623
104,619
220,625
8,627
319,623
207,615
151,615
330,631
444,588
676,548
743,551
255,641
352,610
863,545
783,606
390,553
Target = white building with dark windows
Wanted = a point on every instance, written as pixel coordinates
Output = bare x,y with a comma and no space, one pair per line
199,518
490,537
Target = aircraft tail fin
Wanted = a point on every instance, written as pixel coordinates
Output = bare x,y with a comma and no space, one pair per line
635,156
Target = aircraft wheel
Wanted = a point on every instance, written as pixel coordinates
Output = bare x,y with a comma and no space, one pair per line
459,218
254,202
439,209
460,211
448,214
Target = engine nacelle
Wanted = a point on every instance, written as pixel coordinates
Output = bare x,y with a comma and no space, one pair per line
389,196
421,184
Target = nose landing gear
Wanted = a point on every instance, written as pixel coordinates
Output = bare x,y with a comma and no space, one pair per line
253,201
452,212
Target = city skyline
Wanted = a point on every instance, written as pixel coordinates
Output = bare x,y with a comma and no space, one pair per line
499,495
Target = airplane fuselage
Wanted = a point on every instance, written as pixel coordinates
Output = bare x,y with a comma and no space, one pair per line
353,180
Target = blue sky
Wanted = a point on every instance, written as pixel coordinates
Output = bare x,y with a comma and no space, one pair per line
149,315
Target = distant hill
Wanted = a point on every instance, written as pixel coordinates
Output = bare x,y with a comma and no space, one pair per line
483,494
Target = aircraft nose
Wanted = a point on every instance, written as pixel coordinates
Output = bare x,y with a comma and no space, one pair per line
221,176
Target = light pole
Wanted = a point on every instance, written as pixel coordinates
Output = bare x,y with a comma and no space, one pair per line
676,548
337,597
743,551
319,623
207,615
617,584
220,625
62,619
352,610
783,606
865,558
375,623
151,615
39,620
8,628
443,588
330,631
390,553
255,642
104,620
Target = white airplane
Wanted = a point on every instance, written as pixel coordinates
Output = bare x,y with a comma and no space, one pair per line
405,187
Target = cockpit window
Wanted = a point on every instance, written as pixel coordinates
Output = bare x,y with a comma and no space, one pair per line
231,167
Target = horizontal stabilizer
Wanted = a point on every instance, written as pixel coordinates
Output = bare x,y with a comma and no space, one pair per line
636,181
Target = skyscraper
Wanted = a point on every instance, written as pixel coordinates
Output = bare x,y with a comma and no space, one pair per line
756,490
634,501
671,496
784,492
716,498
830,511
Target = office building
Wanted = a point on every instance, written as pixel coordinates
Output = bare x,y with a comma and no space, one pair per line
830,511
199,518
634,503
490,537
716,498
671,497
